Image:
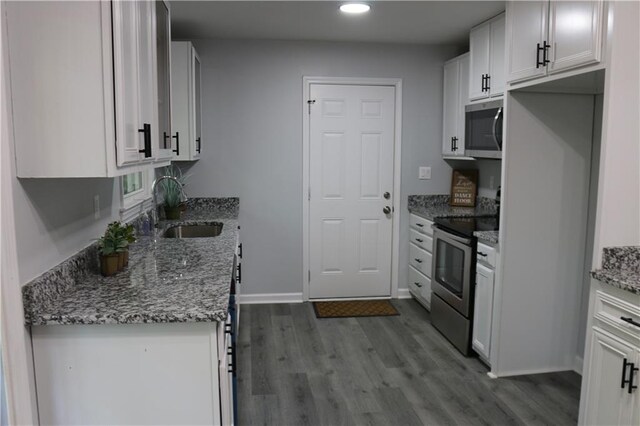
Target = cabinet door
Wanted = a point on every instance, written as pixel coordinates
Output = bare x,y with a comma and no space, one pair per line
163,56
147,74
125,47
197,106
450,106
463,100
497,72
181,99
479,44
575,33
605,401
526,27
483,311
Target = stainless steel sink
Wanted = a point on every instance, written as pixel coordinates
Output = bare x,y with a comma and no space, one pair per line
194,231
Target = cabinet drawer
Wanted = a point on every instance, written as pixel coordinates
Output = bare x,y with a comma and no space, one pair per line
421,240
421,224
419,284
487,254
610,311
420,259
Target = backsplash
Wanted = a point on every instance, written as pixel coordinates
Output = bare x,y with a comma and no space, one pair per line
621,258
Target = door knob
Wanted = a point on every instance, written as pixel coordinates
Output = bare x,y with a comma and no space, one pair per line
386,210
386,195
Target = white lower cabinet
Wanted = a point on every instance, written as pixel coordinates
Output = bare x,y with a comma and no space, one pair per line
487,260
607,397
420,259
142,374
610,375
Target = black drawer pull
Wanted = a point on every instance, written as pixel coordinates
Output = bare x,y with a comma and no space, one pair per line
146,131
240,250
630,321
418,260
177,137
420,240
420,225
482,254
632,371
417,284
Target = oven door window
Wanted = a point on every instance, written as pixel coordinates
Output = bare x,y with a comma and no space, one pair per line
449,271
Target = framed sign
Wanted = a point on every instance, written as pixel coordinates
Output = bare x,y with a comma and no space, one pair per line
464,188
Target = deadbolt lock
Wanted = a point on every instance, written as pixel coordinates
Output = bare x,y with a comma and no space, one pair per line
386,195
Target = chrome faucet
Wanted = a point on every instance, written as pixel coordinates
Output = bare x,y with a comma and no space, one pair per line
154,212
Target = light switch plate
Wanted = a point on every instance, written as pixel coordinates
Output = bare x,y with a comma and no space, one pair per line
424,173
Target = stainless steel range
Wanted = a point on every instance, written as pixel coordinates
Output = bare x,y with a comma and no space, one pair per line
453,277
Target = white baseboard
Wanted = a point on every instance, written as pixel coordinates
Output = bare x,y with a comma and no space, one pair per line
578,362
403,293
249,299
527,372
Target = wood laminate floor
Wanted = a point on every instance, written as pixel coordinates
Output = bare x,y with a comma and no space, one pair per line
295,369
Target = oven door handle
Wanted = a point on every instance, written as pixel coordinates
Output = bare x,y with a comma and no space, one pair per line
495,130
446,235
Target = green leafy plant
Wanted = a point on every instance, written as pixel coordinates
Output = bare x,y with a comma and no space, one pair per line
114,240
172,190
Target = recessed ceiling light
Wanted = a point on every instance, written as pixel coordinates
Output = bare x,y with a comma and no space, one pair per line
355,8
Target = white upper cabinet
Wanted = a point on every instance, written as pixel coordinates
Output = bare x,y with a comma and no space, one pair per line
186,119
455,97
83,87
163,59
487,46
544,37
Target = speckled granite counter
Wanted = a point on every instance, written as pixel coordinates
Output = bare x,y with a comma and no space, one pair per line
167,280
490,237
433,206
620,268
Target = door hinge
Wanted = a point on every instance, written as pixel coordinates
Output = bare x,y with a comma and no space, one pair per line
309,103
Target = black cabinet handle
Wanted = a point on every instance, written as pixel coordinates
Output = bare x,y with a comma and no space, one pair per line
545,50
240,250
538,49
164,141
454,140
482,254
632,371
486,84
177,138
542,49
420,225
239,277
418,260
630,321
420,240
483,77
146,131
198,145
417,284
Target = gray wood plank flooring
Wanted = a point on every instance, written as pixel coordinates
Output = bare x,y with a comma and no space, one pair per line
295,369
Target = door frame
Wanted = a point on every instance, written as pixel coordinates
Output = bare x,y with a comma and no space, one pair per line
397,161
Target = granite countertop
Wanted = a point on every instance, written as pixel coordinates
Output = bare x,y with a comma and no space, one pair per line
167,280
620,268
433,206
487,236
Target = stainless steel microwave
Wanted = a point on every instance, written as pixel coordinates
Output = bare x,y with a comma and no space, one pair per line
483,130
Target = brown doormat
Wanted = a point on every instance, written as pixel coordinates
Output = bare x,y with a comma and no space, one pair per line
354,308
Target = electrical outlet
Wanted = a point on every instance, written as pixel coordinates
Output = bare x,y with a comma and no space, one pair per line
424,173
96,207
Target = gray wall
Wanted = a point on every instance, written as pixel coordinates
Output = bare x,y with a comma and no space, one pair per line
252,131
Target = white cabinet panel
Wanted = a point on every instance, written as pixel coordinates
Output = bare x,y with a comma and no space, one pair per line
186,115
575,33
526,29
497,74
420,259
450,106
483,311
480,47
606,401
421,224
420,285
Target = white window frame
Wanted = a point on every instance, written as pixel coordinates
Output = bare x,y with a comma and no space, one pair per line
132,205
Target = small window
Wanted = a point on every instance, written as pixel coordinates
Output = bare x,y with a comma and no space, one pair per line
135,192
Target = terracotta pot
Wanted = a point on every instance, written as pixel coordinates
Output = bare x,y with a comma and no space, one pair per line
109,264
172,213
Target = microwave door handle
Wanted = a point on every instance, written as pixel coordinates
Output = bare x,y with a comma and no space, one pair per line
494,129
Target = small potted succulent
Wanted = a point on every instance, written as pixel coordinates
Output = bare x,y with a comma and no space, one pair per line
111,244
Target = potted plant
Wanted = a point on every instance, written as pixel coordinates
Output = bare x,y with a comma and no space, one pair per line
128,235
111,244
172,192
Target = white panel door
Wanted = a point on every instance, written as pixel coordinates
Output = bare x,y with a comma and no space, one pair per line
575,33
351,168
526,27
606,401
479,45
126,56
483,310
